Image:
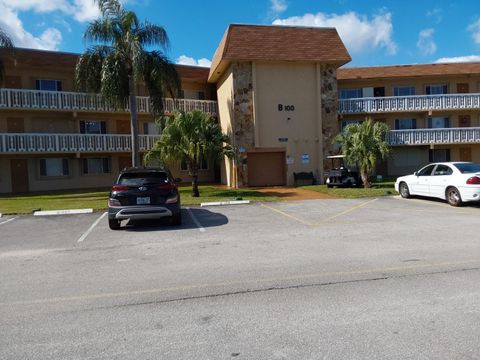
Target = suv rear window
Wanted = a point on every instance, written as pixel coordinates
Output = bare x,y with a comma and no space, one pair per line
468,168
143,178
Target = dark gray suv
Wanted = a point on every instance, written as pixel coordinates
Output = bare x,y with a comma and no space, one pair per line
144,193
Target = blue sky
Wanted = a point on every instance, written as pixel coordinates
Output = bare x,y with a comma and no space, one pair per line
375,32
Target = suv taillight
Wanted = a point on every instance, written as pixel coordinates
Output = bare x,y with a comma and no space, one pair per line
167,187
119,188
114,202
172,200
475,180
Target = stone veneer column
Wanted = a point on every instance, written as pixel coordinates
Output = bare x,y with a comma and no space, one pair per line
243,122
329,96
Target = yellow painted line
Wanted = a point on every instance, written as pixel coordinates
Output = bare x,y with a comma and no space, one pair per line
248,284
288,215
346,211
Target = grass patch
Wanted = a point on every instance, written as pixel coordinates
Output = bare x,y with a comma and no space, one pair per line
97,199
377,189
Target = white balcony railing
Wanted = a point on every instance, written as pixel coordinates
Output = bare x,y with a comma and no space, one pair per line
409,103
75,101
70,143
434,136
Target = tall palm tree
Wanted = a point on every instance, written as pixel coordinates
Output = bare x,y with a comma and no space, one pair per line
190,137
5,42
363,145
118,62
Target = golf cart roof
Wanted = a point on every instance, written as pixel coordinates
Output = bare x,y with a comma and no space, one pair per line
336,157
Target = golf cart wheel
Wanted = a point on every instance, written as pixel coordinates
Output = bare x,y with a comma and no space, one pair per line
453,197
404,191
114,224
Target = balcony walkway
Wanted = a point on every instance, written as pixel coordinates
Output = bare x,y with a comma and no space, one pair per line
434,136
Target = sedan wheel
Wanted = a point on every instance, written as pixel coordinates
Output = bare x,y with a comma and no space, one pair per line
404,191
453,197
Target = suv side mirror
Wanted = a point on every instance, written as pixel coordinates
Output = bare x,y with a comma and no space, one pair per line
177,180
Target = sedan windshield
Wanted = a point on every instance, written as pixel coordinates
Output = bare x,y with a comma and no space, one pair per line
468,168
146,178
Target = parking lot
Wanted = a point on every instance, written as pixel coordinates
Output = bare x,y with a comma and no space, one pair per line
249,281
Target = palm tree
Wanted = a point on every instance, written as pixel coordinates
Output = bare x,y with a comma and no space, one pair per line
363,145
5,42
118,62
190,137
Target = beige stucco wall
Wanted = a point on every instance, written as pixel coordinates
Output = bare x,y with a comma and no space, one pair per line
289,84
225,110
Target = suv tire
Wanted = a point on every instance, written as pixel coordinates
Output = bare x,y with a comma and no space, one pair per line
114,224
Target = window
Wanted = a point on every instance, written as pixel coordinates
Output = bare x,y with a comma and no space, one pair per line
426,171
439,155
151,128
96,166
203,165
404,124
436,89
468,168
442,170
345,123
403,90
54,167
350,93
438,122
201,95
49,85
146,178
93,127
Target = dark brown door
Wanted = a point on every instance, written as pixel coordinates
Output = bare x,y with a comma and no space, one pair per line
123,162
465,154
15,125
19,170
123,127
462,88
266,169
464,121
379,91
13,82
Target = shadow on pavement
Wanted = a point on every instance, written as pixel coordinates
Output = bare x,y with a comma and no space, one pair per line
205,219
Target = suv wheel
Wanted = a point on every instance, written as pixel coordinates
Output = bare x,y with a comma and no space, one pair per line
114,224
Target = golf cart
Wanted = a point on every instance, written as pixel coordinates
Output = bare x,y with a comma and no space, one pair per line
340,175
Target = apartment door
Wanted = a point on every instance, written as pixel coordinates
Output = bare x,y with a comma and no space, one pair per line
462,88
266,168
123,127
379,92
465,154
15,125
13,82
19,171
464,121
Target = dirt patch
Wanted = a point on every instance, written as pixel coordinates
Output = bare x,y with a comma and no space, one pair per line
292,193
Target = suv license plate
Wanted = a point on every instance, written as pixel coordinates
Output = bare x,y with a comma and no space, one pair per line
143,200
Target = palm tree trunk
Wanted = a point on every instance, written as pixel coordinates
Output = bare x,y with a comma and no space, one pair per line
364,175
134,122
193,172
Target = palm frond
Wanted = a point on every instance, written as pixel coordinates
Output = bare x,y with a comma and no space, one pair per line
150,34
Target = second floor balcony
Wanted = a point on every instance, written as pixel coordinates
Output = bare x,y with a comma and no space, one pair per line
76,101
71,143
445,136
415,103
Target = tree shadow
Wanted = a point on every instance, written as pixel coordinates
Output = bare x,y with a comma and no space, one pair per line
192,218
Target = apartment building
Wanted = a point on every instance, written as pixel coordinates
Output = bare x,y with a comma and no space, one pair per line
53,138
433,110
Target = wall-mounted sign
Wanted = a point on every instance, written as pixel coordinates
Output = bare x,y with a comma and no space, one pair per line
305,159
282,107
290,160
283,139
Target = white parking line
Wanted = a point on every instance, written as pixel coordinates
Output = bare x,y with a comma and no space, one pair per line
200,227
86,233
6,221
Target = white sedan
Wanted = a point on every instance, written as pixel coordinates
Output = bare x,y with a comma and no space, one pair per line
456,182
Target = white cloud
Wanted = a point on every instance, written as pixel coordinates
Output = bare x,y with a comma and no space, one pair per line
186,60
278,6
459,59
474,28
359,33
435,14
425,42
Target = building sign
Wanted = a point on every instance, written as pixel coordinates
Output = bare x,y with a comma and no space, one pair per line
283,139
305,159
282,107
290,160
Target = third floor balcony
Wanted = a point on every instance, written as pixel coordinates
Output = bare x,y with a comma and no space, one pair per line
445,136
415,103
76,101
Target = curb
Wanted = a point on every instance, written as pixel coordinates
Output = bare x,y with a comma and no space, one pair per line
220,203
63,212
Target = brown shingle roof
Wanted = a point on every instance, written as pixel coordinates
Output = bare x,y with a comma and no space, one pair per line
282,43
375,72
